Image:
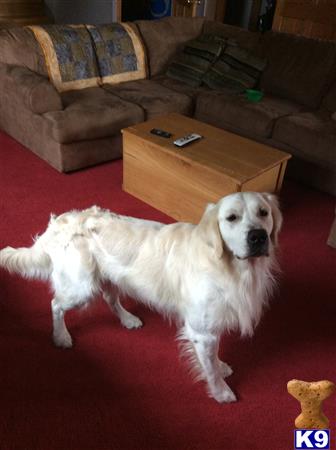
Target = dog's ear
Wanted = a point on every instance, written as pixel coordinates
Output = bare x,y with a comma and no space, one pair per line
209,230
272,200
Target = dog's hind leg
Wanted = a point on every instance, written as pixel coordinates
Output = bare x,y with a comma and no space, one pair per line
127,319
61,335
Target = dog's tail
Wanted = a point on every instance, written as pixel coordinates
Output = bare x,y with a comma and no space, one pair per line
31,262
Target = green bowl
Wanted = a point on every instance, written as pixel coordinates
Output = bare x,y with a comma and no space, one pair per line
253,95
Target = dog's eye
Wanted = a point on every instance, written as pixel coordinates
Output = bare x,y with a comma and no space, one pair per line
263,212
231,218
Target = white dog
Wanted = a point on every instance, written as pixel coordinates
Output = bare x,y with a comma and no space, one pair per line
210,277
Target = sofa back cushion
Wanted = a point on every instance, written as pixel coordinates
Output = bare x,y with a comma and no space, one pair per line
237,69
192,63
119,51
246,39
19,47
164,38
329,101
298,68
69,56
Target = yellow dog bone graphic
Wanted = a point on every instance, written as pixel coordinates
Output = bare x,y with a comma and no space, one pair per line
311,396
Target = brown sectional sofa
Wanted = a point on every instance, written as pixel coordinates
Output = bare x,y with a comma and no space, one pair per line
79,128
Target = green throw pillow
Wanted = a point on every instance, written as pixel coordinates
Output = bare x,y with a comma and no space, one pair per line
235,70
195,59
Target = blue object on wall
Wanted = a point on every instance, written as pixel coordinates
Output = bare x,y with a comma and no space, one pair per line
160,8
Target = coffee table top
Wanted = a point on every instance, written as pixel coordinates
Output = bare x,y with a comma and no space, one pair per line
238,157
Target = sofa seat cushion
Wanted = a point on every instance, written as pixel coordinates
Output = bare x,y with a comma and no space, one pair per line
154,98
179,86
91,113
312,135
235,111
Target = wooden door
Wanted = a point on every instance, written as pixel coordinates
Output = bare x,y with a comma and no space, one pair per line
117,10
310,18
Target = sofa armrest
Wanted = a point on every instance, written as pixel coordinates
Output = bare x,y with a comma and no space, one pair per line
36,92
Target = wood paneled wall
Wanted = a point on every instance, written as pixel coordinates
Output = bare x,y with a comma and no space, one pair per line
311,18
83,11
22,12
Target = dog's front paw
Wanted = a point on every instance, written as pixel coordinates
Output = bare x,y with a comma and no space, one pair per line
225,369
225,397
131,322
224,394
62,340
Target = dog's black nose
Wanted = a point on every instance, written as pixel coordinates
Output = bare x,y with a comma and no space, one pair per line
257,240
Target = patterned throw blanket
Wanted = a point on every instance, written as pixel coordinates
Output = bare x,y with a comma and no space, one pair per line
119,51
80,56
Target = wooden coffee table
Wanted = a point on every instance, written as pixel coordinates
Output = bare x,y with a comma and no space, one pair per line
181,181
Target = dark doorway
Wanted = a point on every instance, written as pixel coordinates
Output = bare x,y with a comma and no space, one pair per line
252,14
145,9
135,10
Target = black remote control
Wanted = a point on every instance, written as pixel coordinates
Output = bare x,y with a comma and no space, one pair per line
161,133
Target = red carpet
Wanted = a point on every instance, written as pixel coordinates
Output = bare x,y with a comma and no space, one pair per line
119,389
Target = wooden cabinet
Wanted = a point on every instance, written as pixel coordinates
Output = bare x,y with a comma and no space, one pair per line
180,182
22,12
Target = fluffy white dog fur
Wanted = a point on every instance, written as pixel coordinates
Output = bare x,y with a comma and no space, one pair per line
211,277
